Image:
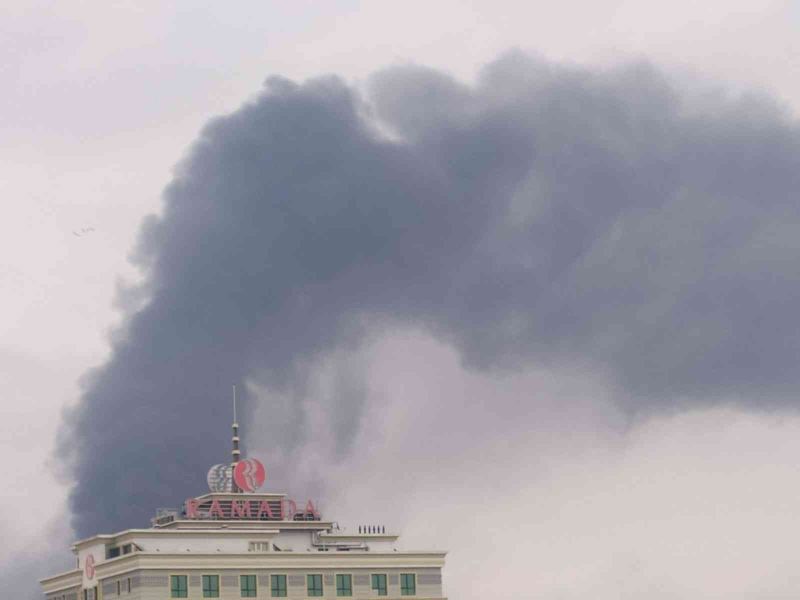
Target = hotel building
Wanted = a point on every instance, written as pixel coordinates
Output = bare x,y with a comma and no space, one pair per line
236,542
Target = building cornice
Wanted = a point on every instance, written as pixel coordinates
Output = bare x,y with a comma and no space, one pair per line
68,579
267,560
244,524
219,528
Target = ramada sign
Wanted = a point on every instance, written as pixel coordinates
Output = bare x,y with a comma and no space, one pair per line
262,510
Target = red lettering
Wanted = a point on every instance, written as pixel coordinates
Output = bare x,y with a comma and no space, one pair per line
216,509
191,509
241,510
263,508
291,505
310,510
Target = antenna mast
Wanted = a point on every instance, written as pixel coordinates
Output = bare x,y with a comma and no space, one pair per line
235,441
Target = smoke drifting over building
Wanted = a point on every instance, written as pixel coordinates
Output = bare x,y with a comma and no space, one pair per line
543,215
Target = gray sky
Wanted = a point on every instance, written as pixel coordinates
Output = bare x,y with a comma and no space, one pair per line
548,448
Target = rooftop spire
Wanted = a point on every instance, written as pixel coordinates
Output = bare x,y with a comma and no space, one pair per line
235,440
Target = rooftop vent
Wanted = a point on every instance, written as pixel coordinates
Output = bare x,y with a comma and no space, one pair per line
372,529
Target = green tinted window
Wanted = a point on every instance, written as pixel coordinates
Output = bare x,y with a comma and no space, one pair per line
278,585
210,586
379,584
314,585
344,585
178,586
248,586
408,584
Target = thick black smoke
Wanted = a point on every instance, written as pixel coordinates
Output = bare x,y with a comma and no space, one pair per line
544,215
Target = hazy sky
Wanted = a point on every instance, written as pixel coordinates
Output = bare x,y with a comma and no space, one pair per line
553,458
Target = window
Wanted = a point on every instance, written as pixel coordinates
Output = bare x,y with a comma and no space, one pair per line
210,586
379,584
248,586
258,547
178,586
408,584
314,585
344,585
278,585
129,585
119,587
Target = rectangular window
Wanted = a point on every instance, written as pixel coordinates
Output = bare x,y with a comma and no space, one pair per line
210,586
119,587
278,585
248,586
258,547
314,585
379,584
179,587
129,585
344,585
408,584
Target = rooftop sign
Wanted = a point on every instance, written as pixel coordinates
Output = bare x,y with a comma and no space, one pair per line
248,475
258,509
220,478
88,567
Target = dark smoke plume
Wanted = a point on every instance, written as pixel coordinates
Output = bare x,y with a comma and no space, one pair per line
544,215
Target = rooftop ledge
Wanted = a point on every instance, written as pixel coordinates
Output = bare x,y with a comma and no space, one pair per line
241,495
66,575
341,536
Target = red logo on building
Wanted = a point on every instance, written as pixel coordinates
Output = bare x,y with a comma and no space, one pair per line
88,568
249,475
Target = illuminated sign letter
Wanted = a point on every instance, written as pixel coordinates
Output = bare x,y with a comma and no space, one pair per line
265,508
88,568
241,510
191,509
291,505
216,509
310,510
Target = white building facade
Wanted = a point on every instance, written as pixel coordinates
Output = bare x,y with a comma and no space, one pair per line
240,544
